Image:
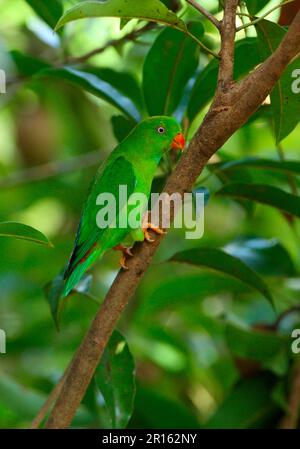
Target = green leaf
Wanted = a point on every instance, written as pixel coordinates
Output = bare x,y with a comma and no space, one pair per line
23,232
176,291
151,10
218,260
115,378
121,126
255,344
26,64
53,292
249,405
246,57
285,103
94,85
170,63
174,5
26,402
267,257
264,194
49,11
255,6
124,82
154,410
288,167
123,23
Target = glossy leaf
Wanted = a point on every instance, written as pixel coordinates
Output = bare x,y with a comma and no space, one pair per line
49,11
170,63
115,378
53,291
23,232
267,257
246,57
94,85
249,405
154,408
254,344
176,291
292,167
27,65
124,82
255,6
265,194
218,260
151,10
121,126
285,103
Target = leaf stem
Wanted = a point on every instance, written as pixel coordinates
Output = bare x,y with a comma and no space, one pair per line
206,49
253,22
205,13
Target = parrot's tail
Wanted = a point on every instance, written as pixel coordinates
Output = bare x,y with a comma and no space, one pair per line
74,275
65,281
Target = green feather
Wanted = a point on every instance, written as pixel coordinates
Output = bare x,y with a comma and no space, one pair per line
133,163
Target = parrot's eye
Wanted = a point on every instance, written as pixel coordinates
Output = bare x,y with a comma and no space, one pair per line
161,130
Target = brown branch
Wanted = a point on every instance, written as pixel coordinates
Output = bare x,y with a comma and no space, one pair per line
242,101
112,43
290,420
227,44
205,13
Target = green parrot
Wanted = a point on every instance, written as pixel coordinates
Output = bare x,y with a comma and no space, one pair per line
133,164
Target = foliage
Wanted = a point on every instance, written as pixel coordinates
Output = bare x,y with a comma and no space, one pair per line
200,345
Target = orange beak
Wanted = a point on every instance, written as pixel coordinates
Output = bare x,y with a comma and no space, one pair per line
178,143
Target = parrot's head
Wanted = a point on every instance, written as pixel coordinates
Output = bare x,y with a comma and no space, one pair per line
162,134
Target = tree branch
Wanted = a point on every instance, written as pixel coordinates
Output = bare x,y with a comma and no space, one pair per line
112,43
227,44
205,13
241,102
290,420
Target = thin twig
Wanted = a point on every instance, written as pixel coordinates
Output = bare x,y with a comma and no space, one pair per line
206,49
290,420
242,16
132,36
113,43
243,100
255,21
205,13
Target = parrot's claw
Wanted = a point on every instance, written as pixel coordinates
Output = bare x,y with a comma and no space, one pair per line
153,228
125,252
128,252
122,262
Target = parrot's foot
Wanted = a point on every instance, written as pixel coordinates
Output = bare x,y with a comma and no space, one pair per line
125,253
145,229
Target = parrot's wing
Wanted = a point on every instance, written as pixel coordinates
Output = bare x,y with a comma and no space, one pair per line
119,172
